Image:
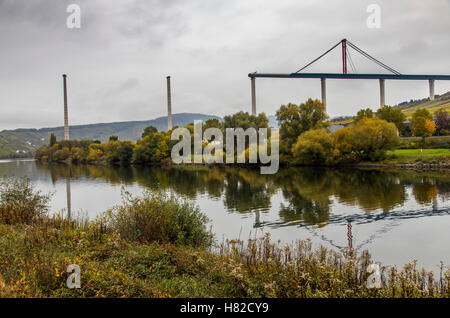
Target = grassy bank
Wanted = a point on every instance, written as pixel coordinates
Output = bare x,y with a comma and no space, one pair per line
416,158
420,153
433,142
157,246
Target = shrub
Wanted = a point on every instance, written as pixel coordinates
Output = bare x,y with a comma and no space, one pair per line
313,147
344,148
19,203
372,137
156,217
152,149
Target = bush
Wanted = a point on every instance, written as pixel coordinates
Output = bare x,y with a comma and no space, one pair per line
370,138
313,147
156,217
19,203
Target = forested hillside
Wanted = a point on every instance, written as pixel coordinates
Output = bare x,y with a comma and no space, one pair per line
22,142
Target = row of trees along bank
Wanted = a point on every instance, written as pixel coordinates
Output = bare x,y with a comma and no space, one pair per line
304,138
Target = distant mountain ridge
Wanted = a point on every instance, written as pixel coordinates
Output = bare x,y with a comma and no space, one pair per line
22,142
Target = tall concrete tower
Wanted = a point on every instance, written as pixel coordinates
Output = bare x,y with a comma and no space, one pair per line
66,115
169,105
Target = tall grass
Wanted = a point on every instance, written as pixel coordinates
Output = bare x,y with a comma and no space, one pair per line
153,246
264,268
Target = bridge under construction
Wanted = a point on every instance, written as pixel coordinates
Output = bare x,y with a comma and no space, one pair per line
347,61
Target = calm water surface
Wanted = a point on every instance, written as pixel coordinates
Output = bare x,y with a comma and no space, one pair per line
398,215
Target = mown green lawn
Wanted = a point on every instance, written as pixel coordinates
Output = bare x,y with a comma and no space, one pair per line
419,153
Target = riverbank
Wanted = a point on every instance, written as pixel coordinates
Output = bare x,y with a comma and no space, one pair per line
413,159
411,162
34,260
121,254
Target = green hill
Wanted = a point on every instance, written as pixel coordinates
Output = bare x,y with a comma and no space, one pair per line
23,142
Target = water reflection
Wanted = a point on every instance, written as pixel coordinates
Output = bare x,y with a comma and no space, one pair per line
308,193
399,215
69,198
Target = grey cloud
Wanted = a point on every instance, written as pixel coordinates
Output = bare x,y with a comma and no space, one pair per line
118,60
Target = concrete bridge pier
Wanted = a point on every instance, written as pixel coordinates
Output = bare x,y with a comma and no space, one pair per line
66,111
323,86
169,105
431,84
252,79
382,93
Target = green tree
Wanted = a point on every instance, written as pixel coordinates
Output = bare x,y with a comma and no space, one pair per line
149,130
392,115
212,123
295,120
52,139
245,121
113,138
125,152
363,113
442,121
422,113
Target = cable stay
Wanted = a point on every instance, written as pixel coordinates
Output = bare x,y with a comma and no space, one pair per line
346,57
318,57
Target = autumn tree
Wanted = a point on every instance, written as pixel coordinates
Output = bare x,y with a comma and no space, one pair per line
423,127
368,139
152,149
295,120
313,147
422,124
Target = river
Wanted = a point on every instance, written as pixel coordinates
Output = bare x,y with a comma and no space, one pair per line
398,215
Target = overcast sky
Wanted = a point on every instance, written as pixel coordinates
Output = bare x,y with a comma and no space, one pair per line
117,62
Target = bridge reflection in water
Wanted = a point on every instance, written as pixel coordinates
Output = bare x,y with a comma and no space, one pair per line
308,194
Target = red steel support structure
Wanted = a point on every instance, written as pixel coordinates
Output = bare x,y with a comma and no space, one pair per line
344,56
